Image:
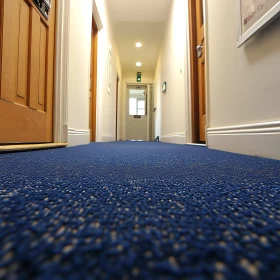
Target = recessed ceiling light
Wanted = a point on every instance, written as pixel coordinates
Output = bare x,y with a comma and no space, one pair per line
138,64
138,45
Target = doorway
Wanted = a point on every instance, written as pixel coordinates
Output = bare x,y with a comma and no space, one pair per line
138,102
198,79
93,81
27,47
117,105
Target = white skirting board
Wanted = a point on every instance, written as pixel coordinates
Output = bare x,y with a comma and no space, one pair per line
108,138
176,138
78,137
260,139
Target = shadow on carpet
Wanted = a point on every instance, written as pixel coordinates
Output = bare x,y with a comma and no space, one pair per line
134,210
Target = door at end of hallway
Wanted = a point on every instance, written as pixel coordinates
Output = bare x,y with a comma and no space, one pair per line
137,127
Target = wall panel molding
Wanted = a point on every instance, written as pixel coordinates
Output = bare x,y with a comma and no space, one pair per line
258,139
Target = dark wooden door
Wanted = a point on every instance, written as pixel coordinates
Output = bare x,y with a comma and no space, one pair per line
197,44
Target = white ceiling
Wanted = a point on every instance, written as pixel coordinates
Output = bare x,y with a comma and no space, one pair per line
139,21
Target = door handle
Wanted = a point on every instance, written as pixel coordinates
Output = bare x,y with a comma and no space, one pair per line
199,50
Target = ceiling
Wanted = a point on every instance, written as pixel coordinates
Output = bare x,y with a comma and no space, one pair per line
139,21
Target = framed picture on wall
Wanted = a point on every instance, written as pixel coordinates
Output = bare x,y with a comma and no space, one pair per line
109,69
254,15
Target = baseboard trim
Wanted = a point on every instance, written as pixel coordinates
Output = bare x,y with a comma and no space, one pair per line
264,127
259,139
175,138
108,138
78,137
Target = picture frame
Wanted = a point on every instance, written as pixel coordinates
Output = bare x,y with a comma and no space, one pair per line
109,70
255,15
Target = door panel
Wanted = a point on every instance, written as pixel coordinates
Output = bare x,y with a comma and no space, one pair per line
35,60
42,65
10,50
38,63
26,72
23,44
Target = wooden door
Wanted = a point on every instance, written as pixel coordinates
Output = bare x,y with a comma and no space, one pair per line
93,83
117,106
26,72
197,44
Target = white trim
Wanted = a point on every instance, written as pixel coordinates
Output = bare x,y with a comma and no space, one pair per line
78,137
149,112
61,73
187,73
96,16
264,127
261,23
259,139
138,84
176,138
196,144
207,72
108,138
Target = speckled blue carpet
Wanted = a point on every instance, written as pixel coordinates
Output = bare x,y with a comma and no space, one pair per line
139,211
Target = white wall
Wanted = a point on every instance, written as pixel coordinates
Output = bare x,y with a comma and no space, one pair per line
130,78
243,84
171,120
106,102
79,71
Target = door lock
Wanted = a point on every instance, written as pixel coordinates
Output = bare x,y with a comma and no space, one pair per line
199,50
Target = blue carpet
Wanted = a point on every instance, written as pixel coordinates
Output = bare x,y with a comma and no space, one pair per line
139,211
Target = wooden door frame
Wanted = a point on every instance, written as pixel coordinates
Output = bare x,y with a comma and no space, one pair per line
94,50
61,72
194,103
62,67
117,105
193,71
1,35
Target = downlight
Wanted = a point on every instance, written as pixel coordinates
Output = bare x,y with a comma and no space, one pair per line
138,64
138,45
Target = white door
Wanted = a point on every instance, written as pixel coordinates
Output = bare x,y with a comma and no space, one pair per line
137,127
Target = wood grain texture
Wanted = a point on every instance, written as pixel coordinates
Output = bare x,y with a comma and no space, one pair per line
42,66
49,108
9,78
23,49
30,147
27,43
197,71
193,72
93,75
117,106
35,59
201,70
1,39
23,125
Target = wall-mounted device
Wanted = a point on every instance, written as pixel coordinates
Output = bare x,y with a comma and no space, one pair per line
164,87
44,6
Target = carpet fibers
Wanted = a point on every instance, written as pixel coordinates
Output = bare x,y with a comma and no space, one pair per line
133,210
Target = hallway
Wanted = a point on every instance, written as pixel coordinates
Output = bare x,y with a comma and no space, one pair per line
138,210
202,77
